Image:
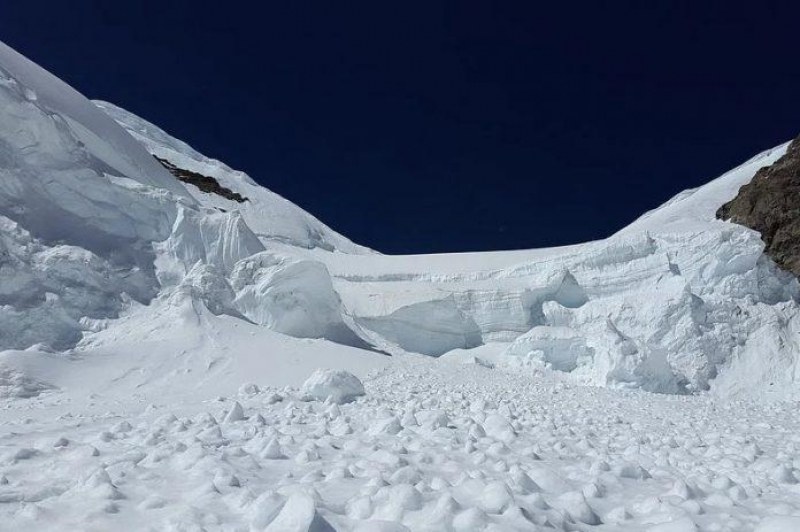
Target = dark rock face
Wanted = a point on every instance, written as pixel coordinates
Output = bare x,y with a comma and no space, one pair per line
770,204
203,182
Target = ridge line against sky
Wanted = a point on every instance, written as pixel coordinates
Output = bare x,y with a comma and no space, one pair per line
441,127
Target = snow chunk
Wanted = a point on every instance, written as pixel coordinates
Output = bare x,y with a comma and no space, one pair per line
337,385
495,497
498,427
236,413
574,503
292,296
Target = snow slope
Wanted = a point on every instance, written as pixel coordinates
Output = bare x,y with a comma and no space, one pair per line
154,339
270,216
29,89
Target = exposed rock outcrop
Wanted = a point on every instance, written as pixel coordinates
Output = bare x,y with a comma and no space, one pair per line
770,204
203,182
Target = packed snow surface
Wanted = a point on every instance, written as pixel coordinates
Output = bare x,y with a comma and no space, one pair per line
174,360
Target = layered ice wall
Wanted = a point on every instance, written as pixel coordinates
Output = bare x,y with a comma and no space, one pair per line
80,202
673,303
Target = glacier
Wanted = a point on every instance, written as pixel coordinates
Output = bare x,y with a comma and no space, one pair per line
488,377
677,302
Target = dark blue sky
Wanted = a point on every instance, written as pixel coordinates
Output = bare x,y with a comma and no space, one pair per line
444,126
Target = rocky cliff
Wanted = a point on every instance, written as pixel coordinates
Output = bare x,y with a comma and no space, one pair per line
770,204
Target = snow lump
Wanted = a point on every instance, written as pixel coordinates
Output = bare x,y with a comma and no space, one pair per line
338,386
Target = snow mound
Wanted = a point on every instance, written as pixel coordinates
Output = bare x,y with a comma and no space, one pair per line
337,386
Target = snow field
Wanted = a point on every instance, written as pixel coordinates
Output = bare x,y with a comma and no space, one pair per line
431,446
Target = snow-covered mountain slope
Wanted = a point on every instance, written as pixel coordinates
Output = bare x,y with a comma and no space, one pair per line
676,302
271,217
93,224
154,336
30,91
